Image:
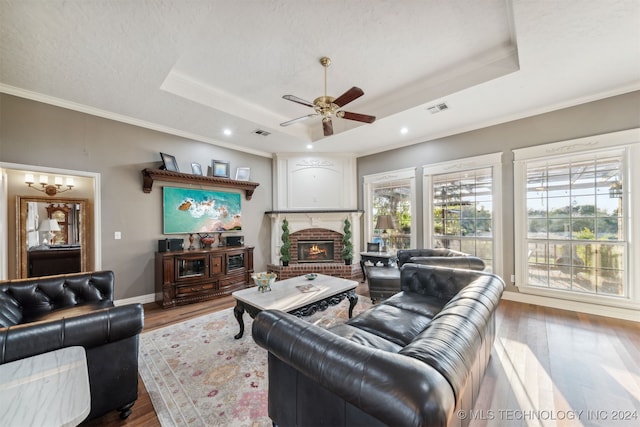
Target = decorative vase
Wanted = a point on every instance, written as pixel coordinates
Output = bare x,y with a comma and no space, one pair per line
285,263
207,241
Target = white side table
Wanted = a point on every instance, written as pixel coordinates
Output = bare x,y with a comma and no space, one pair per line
49,389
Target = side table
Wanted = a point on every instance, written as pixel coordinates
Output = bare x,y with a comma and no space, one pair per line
49,389
386,258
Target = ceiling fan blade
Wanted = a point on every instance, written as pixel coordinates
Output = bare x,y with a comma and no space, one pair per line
348,96
298,100
299,119
357,117
327,126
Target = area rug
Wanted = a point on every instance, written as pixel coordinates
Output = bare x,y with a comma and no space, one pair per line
197,374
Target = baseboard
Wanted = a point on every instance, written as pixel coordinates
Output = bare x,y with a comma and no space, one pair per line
581,307
142,299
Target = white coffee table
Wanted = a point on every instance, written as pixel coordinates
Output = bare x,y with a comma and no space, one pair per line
298,296
49,389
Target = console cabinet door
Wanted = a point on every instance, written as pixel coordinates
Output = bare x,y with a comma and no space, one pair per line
216,265
191,268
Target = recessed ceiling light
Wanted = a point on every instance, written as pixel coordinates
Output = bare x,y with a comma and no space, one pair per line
309,146
227,132
404,131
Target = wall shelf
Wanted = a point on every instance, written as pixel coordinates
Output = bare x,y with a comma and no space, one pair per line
149,175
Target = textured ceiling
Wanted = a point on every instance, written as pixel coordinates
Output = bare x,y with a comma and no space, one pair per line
195,68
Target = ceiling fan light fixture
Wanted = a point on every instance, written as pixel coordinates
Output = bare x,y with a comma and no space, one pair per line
328,106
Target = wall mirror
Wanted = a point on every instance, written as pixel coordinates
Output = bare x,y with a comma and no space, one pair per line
52,236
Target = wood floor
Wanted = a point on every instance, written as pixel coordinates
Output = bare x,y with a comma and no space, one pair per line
547,365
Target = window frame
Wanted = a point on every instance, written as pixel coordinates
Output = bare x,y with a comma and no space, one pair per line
492,161
369,181
628,142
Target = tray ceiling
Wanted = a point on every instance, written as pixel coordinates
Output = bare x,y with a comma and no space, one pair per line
196,68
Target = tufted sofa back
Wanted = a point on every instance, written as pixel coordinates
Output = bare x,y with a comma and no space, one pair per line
26,300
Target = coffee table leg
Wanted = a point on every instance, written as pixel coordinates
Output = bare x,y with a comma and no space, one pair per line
353,299
238,311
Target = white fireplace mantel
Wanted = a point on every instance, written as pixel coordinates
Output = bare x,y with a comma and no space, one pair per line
314,191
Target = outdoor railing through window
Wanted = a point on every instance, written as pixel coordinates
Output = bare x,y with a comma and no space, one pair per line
462,213
575,224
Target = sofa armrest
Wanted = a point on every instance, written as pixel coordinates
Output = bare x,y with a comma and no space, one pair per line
89,330
396,389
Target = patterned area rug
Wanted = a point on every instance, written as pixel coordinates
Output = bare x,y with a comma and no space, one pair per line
197,374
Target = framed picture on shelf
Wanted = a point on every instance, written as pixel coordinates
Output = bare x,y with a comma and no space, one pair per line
220,168
169,162
242,174
196,169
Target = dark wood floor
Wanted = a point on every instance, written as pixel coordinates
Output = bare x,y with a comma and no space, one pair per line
545,363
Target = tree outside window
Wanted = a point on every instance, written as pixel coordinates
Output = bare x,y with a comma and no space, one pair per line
393,198
462,212
575,233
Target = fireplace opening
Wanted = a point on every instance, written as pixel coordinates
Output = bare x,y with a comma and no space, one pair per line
315,250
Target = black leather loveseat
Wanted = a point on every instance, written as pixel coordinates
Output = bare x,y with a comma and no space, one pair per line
415,359
43,314
385,281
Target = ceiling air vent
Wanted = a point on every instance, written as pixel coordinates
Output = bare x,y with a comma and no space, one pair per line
261,132
437,108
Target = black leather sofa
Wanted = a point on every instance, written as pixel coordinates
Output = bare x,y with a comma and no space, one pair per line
415,359
43,314
385,281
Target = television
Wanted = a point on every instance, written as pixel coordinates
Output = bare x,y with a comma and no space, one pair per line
189,210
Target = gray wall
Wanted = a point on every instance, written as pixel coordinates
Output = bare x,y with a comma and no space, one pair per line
40,134
607,115
33,133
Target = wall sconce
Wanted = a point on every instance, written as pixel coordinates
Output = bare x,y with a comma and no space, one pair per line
48,189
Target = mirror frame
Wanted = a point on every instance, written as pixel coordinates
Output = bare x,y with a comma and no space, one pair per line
21,235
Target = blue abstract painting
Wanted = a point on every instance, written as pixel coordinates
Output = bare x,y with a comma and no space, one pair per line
187,210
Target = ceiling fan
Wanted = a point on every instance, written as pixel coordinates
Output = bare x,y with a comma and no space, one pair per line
328,106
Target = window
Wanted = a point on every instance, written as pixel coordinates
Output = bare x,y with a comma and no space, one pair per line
390,194
461,199
575,224
573,218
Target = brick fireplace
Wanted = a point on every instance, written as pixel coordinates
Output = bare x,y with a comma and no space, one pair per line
304,241
316,243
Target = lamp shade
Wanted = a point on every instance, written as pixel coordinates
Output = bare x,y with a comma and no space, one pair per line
385,222
49,225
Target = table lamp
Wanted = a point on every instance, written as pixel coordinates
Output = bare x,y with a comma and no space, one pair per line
384,223
50,226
